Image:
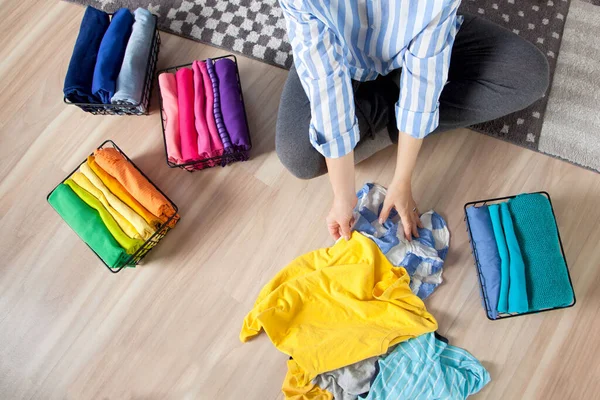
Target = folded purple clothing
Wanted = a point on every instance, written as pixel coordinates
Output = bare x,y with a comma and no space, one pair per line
232,108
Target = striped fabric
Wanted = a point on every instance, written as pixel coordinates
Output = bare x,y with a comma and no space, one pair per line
423,257
426,368
210,66
336,41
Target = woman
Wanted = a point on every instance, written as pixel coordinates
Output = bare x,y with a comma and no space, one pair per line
394,70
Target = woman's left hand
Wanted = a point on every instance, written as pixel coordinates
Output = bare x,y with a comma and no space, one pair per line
399,196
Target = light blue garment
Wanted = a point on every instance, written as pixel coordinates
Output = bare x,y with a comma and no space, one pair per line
426,368
422,257
336,41
517,291
131,79
484,244
504,258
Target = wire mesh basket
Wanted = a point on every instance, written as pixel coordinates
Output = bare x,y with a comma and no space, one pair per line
481,280
135,258
222,160
140,108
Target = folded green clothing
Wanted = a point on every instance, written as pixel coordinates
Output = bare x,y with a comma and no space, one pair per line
130,245
547,278
86,222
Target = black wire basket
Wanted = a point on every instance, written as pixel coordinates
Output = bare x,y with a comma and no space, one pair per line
222,160
482,287
135,258
140,108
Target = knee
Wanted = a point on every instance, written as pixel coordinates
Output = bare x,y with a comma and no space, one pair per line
301,160
536,74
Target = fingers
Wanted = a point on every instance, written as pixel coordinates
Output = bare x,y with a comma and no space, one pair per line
406,225
334,231
413,228
345,229
385,211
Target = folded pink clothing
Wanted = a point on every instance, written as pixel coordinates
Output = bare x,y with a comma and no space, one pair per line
209,141
187,128
168,92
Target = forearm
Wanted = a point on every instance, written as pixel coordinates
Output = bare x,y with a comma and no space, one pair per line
341,176
408,151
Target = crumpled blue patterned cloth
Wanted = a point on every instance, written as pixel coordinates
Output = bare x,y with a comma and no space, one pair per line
423,257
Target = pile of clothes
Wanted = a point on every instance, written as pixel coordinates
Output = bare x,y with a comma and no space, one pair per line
352,319
111,206
203,114
520,261
110,58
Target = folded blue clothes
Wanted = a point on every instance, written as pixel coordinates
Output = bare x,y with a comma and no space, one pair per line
110,55
546,274
131,79
485,245
78,82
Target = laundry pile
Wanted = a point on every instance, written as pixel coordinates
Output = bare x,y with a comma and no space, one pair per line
352,321
203,113
111,206
521,265
110,58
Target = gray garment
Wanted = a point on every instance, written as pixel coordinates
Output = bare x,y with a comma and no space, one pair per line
131,79
493,72
349,382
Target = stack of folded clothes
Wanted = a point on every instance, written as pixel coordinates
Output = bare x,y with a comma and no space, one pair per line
203,114
352,319
519,258
110,58
113,208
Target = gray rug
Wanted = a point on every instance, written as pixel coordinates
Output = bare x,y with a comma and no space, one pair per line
256,28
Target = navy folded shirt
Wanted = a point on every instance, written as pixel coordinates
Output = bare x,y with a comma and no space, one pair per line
78,82
110,55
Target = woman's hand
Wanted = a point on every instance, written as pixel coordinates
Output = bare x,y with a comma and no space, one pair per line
340,220
399,196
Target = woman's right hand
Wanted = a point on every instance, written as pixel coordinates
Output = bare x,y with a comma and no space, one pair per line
340,220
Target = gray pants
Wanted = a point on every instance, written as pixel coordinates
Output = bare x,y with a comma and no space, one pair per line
493,72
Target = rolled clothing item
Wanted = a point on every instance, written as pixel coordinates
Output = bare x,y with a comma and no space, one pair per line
115,187
130,245
232,108
136,184
110,55
170,108
548,283
80,74
486,247
517,290
83,182
185,103
504,257
88,225
132,76
209,141
141,226
214,83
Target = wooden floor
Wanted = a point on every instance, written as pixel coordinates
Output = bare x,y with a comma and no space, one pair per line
169,329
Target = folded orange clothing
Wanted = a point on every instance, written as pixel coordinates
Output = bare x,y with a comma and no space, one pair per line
114,163
118,190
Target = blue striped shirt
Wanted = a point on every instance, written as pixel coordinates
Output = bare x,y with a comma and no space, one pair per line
338,40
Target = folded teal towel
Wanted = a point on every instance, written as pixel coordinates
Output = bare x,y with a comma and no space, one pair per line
504,258
546,275
517,290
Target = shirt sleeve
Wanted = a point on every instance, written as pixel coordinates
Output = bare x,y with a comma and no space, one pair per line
323,72
424,74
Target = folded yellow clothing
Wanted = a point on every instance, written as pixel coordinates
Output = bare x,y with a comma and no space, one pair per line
292,391
125,225
128,244
334,307
141,226
118,190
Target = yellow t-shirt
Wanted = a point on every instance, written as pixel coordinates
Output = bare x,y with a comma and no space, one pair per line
333,307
